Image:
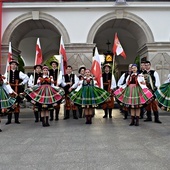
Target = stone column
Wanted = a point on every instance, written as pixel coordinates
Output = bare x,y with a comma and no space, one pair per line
159,56
79,54
5,50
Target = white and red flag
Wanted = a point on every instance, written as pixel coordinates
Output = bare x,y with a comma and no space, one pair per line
62,52
96,69
63,62
38,55
117,47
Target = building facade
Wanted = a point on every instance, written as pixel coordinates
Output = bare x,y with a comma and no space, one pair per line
142,28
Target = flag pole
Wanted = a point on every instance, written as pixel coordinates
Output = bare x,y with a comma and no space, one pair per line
9,59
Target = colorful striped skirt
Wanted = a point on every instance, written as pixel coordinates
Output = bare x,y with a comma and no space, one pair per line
6,101
163,96
89,96
45,94
133,96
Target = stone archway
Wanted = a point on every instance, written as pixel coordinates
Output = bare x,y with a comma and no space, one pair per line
31,30
133,33
120,14
29,16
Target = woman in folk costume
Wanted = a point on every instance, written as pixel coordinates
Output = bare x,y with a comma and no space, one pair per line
88,95
134,94
163,95
6,100
45,95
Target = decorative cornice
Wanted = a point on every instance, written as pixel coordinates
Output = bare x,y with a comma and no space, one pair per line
86,5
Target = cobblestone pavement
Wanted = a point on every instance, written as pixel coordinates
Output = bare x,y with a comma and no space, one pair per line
107,144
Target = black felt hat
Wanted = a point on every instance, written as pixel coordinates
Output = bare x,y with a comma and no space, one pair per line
14,61
37,65
53,62
81,67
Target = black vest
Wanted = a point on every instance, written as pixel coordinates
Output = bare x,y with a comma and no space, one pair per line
68,79
53,73
106,77
14,77
37,75
126,75
151,73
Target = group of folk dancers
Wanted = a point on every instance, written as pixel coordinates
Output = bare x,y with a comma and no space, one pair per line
134,92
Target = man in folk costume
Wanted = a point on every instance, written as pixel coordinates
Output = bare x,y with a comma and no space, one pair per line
81,72
122,81
142,71
109,84
33,81
152,82
69,83
16,79
54,72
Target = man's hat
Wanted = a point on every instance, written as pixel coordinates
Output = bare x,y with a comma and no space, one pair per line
53,62
14,61
107,65
81,67
38,65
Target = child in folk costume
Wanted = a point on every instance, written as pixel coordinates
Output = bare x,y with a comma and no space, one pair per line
88,95
163,95
45,95
134,94
6,101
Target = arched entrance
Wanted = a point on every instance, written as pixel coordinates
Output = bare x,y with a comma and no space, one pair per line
24,31
132,31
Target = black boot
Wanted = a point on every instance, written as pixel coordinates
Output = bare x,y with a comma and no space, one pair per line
17,118
40,117
90,119
132,121
105,113
149,117
87,119
36,116
157,117
51,115
9,119
67,116
47,124
141,113
56,114
75,114
110,113
125,114
43,121
80,112
137,121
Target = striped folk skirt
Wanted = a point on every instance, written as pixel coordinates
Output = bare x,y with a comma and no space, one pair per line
89,96
6,101
133,96
163,96
45,94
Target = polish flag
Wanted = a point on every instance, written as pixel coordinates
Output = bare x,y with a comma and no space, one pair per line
96,69
117,48
38,55
62,52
